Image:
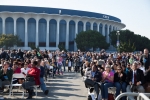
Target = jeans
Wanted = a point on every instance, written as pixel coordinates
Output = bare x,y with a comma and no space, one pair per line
59,68
120,86
3,83
104,89
64,64
54,71
42,85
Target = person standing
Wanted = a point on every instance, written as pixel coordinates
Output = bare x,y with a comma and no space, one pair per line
60,64
42,73
64,56
69,61
145,61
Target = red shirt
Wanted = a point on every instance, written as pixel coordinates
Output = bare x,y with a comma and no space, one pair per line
18,70
35,72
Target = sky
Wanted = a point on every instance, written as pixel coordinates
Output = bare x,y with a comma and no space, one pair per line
135,14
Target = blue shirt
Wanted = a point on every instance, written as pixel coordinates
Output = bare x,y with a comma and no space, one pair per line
93,74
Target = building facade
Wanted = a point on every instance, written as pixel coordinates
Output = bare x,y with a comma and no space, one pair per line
47,27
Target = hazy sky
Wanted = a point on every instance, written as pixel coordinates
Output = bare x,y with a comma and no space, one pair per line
134,13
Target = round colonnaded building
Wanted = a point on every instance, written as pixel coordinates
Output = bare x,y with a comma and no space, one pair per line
47,27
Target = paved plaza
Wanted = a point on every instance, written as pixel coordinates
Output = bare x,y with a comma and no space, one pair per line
70,86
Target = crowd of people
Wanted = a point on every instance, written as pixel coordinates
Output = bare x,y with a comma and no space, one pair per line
127,72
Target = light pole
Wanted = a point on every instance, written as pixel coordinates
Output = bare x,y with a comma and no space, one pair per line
118,33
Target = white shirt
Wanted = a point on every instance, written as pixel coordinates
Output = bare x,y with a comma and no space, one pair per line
23,70
88,73
133,77
82,58
50,55
143,69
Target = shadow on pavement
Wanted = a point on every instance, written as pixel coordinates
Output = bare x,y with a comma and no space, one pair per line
63,88
59,84
64,95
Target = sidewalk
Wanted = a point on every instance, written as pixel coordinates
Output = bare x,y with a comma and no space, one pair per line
67,87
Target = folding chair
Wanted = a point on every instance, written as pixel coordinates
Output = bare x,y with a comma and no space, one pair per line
36,89
16,76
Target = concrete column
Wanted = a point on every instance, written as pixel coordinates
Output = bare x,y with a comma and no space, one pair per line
92,25
57,36
103,30
107,37
111,28
116,29
37,33
47,34
98,26
76,32
3,25
84,26
67,35
26,32
15,32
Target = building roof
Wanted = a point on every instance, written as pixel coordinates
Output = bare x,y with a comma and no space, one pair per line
61,11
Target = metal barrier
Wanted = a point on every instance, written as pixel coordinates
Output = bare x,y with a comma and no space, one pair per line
131,94
142,96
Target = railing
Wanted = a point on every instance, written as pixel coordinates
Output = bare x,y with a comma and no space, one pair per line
142,96
132,94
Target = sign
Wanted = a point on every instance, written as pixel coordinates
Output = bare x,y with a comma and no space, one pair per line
105,16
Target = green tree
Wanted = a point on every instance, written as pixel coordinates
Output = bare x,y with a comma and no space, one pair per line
126,47
9,40
33,47
90,39
140,42
61,47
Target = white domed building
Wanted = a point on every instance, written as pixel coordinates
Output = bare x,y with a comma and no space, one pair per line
47,27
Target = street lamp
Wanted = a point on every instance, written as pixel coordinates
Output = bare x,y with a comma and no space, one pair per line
118,33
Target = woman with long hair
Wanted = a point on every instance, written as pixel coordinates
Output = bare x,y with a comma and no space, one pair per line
120,81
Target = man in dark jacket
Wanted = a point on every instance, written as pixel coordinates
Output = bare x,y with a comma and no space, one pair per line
96,77
135,77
